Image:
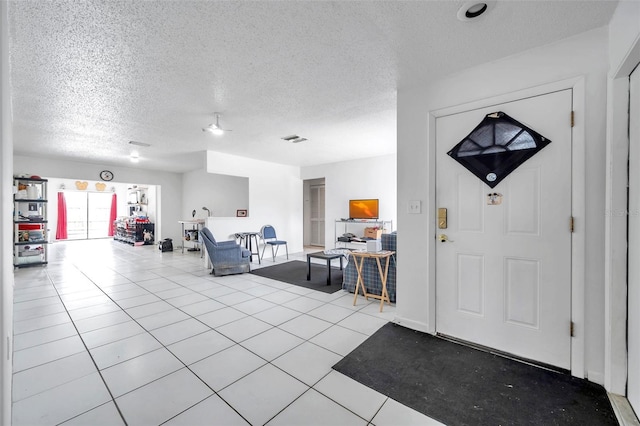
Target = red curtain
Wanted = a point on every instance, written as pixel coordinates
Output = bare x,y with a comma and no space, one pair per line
61,230
114,213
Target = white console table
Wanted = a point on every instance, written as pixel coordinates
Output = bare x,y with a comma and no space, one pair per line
355,226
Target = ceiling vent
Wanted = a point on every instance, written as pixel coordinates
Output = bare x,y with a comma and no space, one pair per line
138,143
294,139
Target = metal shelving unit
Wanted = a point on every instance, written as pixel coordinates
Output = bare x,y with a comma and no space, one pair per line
30,222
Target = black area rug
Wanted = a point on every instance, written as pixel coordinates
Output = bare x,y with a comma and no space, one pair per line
295,272
459,385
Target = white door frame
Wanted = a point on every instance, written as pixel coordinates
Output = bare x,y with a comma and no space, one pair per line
617,146
578,202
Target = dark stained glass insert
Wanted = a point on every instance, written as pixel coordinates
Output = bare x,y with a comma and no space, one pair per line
496,147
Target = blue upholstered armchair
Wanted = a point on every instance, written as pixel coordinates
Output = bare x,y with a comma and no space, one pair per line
370,272
227,257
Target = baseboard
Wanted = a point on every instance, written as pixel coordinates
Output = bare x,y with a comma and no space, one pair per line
623,411
413,325
595,377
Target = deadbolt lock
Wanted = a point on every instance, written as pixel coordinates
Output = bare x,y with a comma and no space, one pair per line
442,218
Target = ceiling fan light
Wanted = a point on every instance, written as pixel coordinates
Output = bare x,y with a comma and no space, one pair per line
217,131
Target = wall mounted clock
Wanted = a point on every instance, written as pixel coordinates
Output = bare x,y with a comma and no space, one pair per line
106,175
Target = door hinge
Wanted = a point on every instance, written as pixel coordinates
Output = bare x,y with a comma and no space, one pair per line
573,118
571,224
571,328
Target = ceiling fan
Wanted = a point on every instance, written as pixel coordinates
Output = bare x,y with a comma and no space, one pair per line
215,127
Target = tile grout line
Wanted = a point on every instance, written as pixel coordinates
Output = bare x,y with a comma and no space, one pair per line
239,343
91,356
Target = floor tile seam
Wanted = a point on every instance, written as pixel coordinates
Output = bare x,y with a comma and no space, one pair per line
326,396
345,407
256,369
117,340
31,290
162,345
97,369
199,402
152,381
359,308
40,365
35,320
323,330
100,328
299,314
266,360
19,302
14,352
35,314
87,411
188,337
330,350
57,385
334,323
287,406
41,343
195,317
386,400
31,300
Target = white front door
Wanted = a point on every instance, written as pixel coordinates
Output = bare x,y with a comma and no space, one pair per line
633,311
503,278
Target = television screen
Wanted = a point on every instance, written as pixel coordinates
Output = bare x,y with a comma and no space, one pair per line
363,209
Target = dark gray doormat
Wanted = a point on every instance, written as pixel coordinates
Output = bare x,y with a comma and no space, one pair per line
295,272
459,385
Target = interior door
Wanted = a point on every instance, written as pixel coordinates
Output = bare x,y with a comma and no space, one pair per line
503,277
633,333
317,215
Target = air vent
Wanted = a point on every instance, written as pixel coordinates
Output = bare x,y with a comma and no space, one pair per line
294,139
138,143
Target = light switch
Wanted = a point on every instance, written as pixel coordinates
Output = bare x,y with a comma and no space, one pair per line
414,207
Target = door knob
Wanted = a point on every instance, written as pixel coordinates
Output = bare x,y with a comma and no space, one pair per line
443,238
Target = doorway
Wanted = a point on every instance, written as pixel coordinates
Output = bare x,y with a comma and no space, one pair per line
88,215
314,212
498,284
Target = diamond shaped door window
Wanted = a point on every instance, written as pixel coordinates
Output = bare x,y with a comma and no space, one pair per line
496,147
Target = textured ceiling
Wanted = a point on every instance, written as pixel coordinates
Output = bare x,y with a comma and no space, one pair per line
89,76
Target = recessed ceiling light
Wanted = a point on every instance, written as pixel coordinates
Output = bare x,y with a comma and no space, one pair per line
471,10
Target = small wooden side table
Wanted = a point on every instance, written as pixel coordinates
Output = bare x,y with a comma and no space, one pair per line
358,258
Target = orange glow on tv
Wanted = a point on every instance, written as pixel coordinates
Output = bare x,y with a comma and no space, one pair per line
363,209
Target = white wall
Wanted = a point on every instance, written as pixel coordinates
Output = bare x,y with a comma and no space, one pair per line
366,178
584,55
222,194
275,198
6,221
168,185
624,32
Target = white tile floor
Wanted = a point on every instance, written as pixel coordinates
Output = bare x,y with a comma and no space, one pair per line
110,334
